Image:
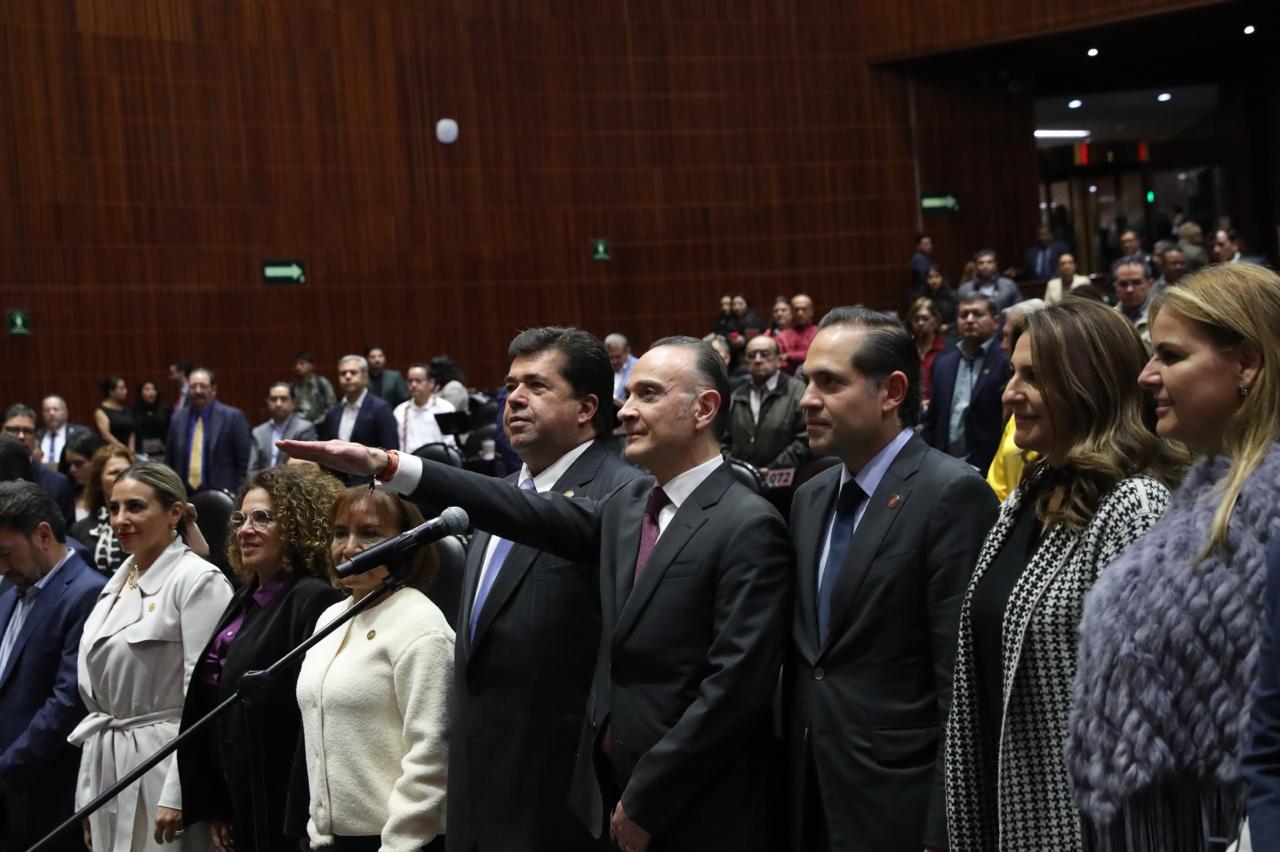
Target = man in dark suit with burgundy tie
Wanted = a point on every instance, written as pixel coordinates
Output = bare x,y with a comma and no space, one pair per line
678,752
885,544
529,621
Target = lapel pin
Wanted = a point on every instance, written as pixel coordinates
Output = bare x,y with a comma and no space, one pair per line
986,370
894,500
569,493
152,608
371,634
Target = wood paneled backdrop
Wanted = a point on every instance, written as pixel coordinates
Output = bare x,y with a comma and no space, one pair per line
155,152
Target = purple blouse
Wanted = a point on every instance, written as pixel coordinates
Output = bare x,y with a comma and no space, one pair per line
216,656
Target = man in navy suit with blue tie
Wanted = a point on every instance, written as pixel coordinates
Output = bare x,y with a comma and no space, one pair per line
46,595
360,416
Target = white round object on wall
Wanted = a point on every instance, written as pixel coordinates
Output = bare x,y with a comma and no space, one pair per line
447,131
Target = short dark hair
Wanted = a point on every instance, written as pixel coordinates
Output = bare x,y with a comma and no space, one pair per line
304,356
25,506
444,370
15,461
981,253
975,296
284,385
369,347
19,409
184,366
711,369
921,237
586,365
1142,264
108,385
887,347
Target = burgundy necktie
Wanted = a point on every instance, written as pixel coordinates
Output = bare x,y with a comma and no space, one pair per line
649,531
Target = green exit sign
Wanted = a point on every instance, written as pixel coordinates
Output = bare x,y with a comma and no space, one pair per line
601,250
19,323
939,202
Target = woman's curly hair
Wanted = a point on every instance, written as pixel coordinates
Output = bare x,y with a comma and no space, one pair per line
302,498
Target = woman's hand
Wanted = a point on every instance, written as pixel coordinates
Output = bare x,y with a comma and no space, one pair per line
220,834
168,824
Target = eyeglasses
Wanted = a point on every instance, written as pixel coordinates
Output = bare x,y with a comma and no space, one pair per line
258,518
757,354
20,430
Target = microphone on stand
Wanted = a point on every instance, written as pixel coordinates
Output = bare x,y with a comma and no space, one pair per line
452,521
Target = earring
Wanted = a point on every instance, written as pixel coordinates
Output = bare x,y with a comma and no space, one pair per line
1243,388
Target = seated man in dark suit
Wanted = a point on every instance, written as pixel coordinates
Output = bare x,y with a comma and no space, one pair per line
56,431
208,442
965,417
360,416
1041,260
885,545
285,424
47,594
20,422
695,593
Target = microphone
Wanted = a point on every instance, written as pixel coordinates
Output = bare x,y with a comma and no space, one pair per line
452,521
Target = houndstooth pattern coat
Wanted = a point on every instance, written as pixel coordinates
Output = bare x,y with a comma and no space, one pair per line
1015,794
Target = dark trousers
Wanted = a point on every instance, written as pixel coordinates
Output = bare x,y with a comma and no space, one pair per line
816,838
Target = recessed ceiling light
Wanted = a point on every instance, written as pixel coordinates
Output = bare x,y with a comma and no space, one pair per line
1249,30
1062,134
1164,97
1093,51
1093,188
1075,103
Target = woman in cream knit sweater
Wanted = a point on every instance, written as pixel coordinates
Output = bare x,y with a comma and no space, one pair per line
374,698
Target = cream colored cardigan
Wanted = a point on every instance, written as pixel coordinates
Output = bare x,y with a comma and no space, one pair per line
374,697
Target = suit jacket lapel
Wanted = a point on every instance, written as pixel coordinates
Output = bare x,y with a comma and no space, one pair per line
626,549
985,374
688,519
811,529
881,512
470,582
212,429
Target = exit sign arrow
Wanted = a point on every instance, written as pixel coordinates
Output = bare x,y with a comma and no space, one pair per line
283,272
945,202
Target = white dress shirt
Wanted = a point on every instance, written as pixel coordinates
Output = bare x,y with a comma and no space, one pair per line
416,424
681,486
350,411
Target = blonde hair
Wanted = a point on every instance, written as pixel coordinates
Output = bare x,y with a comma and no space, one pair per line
1237,304
1087,359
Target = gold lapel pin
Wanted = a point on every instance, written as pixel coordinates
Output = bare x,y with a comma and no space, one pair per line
569,493
371,634
894,500
152,608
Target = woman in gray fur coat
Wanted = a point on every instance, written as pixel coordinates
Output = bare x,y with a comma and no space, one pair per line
1168,647
1100,481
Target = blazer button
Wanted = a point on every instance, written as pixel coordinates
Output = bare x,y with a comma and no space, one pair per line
819,673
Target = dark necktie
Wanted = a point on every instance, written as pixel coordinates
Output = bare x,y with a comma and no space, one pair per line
851,497
500,551
649,531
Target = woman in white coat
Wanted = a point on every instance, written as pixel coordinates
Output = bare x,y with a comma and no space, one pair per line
374,696
140,645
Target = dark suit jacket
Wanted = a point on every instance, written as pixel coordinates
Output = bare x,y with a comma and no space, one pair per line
1261,765
73,429
389,386
296,428
266,636
688,658
375,427
227,443
40,705
868,706
58,487
778,438
984,421
520,689
1056,249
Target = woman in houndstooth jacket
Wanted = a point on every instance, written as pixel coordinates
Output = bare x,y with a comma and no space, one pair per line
1100,482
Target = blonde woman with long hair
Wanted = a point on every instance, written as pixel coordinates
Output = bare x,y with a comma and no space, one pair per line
1168,641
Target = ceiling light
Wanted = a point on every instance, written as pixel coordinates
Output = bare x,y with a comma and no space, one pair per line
1062,134
1093,188
1249,30
1164,97
1075,104
1093,51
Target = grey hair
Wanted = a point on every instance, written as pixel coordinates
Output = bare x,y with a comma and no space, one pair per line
359,359
616,339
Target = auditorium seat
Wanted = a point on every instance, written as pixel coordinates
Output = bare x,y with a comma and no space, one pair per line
442,453
446,591
745,473
213,513
484,409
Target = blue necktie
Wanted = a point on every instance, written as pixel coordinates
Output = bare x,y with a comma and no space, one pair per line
500,552
851,497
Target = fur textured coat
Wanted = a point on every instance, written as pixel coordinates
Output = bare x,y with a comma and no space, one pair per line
1168,654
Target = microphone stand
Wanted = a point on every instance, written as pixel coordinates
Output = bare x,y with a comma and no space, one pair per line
251,684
